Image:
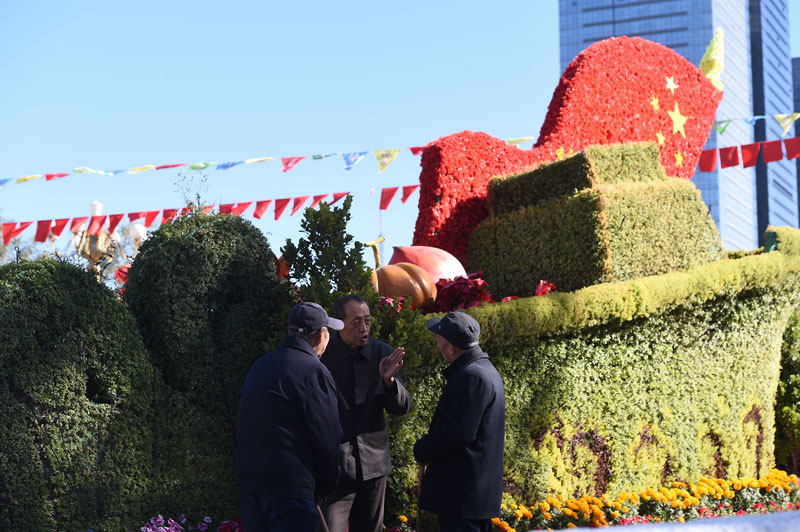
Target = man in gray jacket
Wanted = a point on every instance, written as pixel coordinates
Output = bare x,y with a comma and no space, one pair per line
367,384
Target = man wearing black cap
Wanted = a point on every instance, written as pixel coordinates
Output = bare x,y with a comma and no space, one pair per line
287,453
463,449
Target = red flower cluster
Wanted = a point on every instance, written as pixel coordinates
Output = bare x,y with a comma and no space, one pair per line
234,525
461,293
618,90
544,288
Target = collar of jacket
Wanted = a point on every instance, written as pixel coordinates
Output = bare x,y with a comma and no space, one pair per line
293,342
341,347
467,357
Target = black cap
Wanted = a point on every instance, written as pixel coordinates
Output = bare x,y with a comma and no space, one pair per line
310,317
458,328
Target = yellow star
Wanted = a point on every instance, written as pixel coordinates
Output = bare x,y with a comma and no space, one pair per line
560,153
677,120
671,85
661,138
678,158
654,103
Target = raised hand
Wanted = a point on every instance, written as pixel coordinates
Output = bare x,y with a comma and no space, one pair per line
391,364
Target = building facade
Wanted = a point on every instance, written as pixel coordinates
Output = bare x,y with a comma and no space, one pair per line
687,27
796,84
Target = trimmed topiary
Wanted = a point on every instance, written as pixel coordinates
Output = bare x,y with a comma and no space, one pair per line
76,403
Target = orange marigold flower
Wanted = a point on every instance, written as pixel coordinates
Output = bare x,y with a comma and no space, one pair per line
403,519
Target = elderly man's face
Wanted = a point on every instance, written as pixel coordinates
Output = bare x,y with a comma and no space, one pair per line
357,322
449,352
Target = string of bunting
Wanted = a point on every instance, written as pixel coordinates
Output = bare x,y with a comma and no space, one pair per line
44,228
771,151
784,120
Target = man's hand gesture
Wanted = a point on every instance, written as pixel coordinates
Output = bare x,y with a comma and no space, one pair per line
391,364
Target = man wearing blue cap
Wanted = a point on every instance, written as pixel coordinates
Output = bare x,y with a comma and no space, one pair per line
287,451
463,449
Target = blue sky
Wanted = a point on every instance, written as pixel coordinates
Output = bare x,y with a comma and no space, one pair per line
113,85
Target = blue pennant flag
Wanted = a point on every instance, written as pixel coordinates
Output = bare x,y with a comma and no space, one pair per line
3,182
225,166
352,159
752,119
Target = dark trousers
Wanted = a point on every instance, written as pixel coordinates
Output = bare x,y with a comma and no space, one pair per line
262,513
357,503
454,524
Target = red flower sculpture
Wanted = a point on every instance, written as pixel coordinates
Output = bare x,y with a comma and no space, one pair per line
618,90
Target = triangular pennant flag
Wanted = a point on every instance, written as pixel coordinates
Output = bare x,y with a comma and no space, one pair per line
721,125
113,172
280,206
83,170
42,230
166,166
225,166
113,221
258,160
3,182
208,209
185,211
298,202
239,209
133,216
729,156
792,148
786,121
352,159
226,208
28,178
387,194
140,169
261,208
771,151
11,231
337,196
318,157
58,175
519,140
200,166
95,224
407,191
58,226
77,223
385,157
317,199
752,119
168,216
150,217
750,154
708,160
290,162
417,150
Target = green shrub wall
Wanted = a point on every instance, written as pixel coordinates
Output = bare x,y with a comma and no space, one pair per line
604,234
627,385
76,408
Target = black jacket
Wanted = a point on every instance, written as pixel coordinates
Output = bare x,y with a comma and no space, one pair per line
362,398
464,444
288,430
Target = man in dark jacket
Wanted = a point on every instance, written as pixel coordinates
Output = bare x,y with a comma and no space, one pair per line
367,384
463,448
287,453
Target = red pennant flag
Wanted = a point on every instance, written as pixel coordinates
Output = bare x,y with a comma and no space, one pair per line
50,177
792,148
407,191
185,211
708,160
113,221
226,208
168,216
290,162
133,216
208,208
95,224
58,226
750,154
239,209
771,151
387,194
298,202
165,166
150,217
11,231
42,230
317,199
261,208
77,223
729,156
417,150
280,206
337,196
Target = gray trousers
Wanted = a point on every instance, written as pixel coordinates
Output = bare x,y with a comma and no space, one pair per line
357,504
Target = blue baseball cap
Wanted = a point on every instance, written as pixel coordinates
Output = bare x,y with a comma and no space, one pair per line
458,328
310,317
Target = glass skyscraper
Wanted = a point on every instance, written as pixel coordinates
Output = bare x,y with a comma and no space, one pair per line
687,26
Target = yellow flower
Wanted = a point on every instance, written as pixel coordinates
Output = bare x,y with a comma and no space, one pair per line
518,514
544,506
681,520
403,519
615,515
570,525
547,516
503,507
625,509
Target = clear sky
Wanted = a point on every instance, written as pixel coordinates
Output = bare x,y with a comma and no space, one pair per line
116,85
